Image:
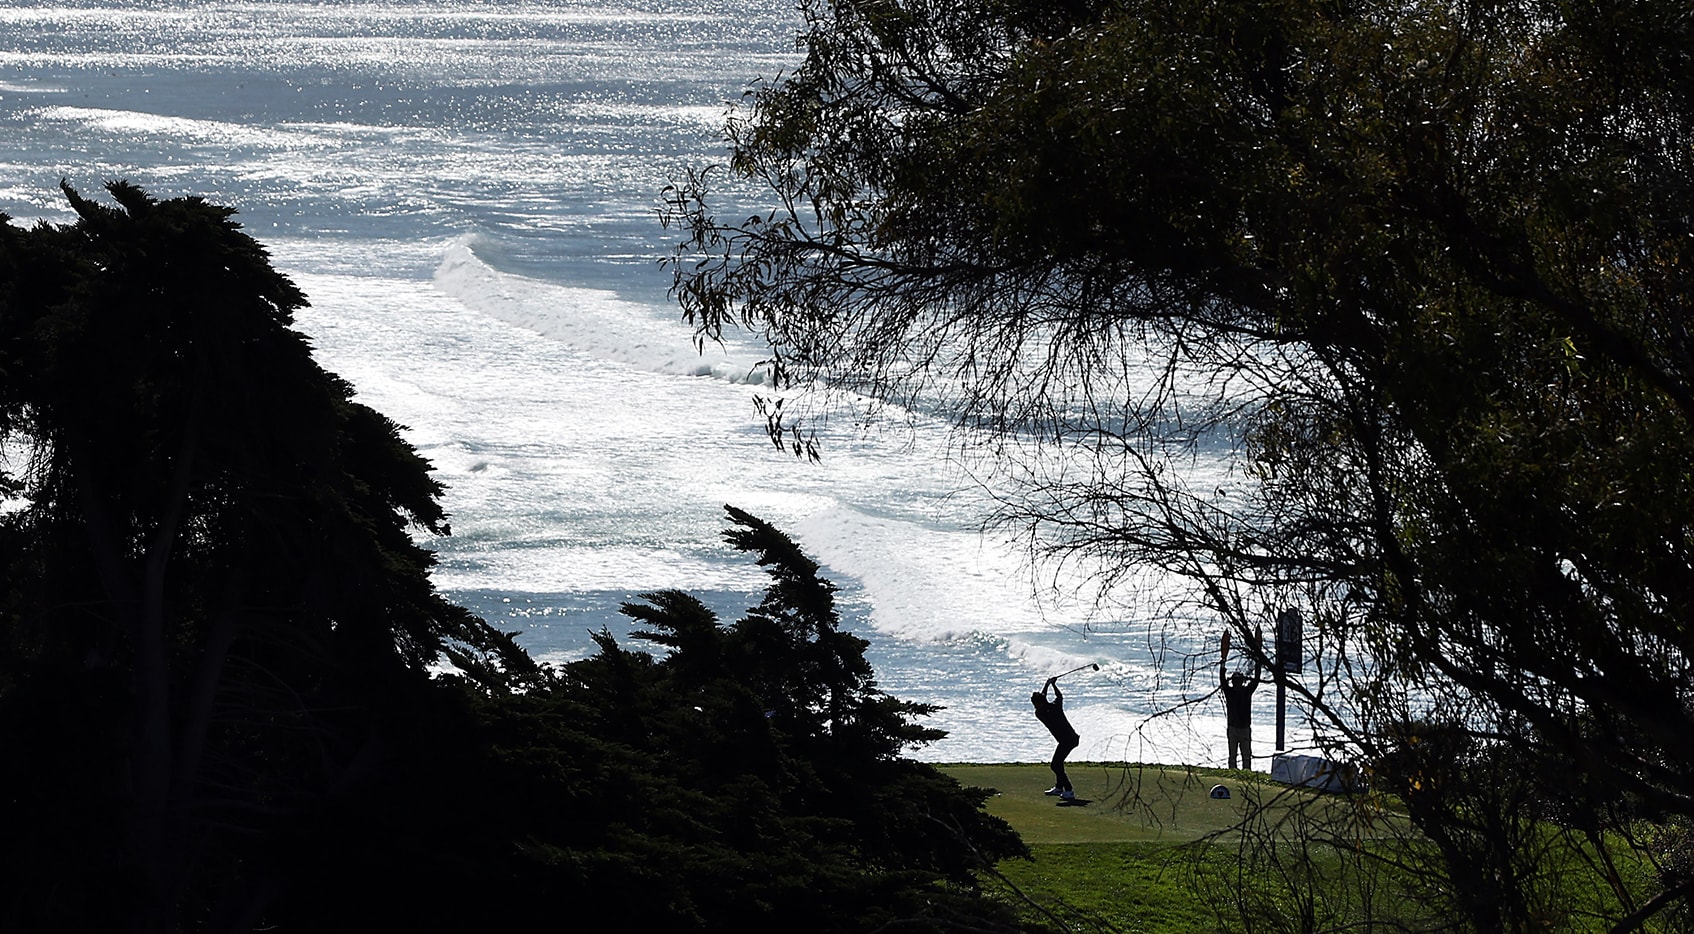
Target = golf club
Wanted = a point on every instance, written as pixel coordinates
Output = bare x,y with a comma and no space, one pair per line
1077,669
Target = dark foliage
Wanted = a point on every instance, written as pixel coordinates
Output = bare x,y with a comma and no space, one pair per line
761,754
748,778
211,596
216,629
1426,267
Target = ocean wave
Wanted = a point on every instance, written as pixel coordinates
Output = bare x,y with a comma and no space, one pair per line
134,123
928,580
591,320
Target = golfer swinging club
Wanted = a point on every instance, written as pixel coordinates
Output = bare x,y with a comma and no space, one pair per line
1052,715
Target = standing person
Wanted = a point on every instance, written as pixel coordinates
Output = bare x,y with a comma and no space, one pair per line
1238,706
1052,715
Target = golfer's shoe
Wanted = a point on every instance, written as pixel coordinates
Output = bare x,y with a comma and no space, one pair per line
1067,795
1055,790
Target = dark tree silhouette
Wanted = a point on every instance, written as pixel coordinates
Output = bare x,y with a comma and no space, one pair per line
219,702
1424,267
771,736
212,599
748,776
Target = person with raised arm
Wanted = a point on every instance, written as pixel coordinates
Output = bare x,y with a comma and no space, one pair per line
1238,704
1052,715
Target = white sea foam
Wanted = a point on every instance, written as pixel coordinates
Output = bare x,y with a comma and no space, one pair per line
594,321
586,446
924,582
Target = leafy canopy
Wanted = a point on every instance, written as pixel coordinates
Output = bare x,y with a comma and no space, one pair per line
1424,267
220,708
208,575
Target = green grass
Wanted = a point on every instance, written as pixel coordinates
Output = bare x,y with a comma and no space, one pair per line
1115,858
1122,803
1139,887
1146,849
1116,803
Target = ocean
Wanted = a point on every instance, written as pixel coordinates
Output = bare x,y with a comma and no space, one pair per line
468,192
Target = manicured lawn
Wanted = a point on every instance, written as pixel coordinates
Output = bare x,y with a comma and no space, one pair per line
1118,802
1141,888
1120,858
1147,850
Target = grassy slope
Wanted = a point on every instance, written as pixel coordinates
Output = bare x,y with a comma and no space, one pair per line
1124,803
1115,859
1118,861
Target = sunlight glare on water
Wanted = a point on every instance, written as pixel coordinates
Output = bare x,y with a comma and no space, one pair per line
467,192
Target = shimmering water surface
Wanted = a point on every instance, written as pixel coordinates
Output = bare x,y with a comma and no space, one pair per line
468,193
